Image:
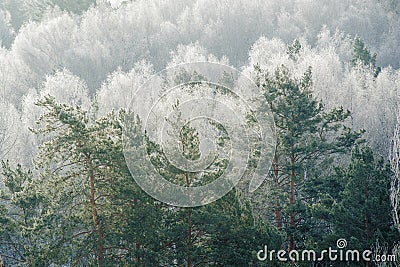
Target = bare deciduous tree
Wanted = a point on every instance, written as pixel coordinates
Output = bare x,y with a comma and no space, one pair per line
395,165
8,129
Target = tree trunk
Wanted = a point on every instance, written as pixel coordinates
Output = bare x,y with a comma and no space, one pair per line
189,221
189,258
367,230
96,221
136,244
277,209
292,203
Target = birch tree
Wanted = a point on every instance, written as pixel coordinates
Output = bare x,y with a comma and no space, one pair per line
395,166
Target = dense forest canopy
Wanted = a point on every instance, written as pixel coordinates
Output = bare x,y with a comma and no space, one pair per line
67,68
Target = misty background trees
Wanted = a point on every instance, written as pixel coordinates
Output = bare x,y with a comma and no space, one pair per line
93,55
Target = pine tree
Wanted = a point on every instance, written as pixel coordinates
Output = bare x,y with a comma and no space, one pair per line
307,137
363,56
90,211
362,213
22,218
222,233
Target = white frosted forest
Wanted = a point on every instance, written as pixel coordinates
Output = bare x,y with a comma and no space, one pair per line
84,53
96,53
